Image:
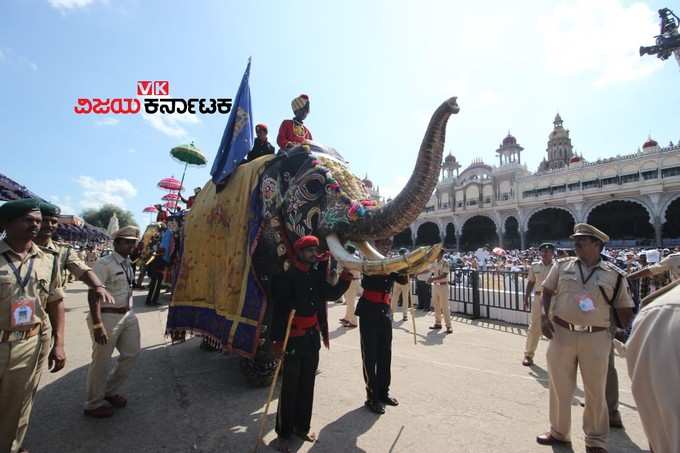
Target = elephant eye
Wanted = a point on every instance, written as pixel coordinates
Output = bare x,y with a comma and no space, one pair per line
314,186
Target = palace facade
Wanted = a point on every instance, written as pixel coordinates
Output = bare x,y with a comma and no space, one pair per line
634,198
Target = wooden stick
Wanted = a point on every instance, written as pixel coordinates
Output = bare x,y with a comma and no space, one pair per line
413,314
263,419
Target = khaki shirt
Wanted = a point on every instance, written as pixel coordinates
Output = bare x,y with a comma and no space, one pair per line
654,365
68,258
669,264
537,274
44,283
441,267
115,273
565,279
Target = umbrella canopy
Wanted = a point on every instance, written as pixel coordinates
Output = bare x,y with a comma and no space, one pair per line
170,184
150,209
170,197
170,205
498,251
188,154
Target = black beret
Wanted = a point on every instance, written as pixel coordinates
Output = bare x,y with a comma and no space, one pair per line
14,209
50,210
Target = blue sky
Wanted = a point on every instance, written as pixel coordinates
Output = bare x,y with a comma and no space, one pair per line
374,72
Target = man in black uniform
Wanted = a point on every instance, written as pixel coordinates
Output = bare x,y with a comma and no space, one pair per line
304,287
261,147
375,328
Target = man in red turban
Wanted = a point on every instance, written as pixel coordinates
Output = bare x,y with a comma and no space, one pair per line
292,132
305,288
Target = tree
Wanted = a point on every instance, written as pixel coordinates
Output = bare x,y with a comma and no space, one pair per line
100,217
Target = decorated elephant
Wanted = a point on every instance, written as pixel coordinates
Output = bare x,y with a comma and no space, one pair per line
239,238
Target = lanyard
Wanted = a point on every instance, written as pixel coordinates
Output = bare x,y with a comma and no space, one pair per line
127,275
580,269
23,283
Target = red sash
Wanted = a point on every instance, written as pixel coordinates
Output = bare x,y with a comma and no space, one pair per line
377,297
301,324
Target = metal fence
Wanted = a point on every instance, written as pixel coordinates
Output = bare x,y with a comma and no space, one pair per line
481,291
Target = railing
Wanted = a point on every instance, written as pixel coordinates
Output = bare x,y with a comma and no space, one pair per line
483,292
495,294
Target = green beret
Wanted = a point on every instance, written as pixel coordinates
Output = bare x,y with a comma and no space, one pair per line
14,209
48,209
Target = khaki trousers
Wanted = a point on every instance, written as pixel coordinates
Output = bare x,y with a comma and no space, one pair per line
123,332
440,299
351,296
27,406
534,330
18,363
405,292
589,352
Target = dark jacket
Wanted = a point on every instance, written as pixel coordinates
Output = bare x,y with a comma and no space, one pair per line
307,293
260,149
382,284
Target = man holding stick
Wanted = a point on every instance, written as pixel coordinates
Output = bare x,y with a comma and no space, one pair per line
305,288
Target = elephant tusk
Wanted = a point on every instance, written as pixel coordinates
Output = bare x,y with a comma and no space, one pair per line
368,250
382,266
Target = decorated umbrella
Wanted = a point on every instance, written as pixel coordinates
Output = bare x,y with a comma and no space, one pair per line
498,251
189,155
170,184
151,210
170,205
171,197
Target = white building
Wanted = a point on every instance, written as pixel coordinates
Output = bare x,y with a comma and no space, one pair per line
634,198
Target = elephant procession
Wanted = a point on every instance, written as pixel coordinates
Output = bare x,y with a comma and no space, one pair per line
280,301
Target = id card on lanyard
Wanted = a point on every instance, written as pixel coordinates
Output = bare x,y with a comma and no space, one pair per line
22,309
585,302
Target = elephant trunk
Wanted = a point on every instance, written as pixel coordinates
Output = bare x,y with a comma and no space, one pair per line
398,214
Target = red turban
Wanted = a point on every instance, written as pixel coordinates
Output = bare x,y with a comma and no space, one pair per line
261,126
304,242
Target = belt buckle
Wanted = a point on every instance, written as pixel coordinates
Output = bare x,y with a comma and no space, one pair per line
578,328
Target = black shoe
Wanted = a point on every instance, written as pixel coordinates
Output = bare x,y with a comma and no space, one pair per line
375,406
389,401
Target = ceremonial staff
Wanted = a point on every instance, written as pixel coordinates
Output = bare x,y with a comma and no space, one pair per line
263,419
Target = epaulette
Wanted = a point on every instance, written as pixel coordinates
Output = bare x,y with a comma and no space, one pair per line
614,267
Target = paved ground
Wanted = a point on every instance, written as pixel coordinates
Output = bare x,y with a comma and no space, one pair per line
466,392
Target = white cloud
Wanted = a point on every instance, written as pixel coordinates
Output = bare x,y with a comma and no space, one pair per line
65,203
108,121
9,56
108,191
69,4
599,38
171,125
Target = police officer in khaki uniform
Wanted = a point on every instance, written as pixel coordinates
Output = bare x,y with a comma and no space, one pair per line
653,360
537,273
578,326
440,293
29,290
113,327
669,264
403,291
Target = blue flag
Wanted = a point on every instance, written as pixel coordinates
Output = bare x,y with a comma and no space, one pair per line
237,140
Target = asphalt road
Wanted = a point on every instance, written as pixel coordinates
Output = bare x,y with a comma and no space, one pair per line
465,392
